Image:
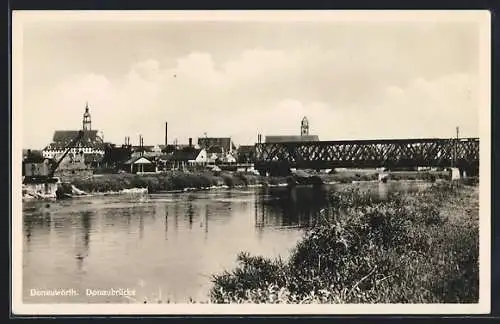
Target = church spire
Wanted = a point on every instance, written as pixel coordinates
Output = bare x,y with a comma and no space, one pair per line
87,122
304,127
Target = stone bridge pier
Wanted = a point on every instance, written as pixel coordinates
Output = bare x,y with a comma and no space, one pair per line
467,172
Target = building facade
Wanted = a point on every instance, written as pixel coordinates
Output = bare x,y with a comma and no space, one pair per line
303,137
91,143
223,144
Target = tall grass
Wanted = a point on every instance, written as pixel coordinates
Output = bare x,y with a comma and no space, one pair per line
415,248
163,181
175,180
350,176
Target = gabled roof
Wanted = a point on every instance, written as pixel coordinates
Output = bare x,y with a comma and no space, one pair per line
186,154
168,148
145,148
139,160
66,136
62,138
34,158
165,157
215,149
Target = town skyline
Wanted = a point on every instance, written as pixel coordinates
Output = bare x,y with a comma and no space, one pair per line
353,80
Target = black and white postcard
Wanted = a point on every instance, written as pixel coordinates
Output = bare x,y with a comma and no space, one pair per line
251,162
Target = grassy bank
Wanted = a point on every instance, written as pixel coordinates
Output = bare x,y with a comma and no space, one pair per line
349,176
415,248
170,181
179,180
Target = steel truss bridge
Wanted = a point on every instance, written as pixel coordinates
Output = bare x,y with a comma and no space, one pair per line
462,153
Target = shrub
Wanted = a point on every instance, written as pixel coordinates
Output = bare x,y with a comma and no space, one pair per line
365,250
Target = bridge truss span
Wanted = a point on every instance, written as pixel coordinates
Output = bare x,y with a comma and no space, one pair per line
462,153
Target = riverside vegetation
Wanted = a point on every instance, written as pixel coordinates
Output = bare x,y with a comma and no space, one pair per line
411,248
172,181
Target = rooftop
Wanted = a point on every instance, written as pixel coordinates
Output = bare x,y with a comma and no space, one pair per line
62,138
186,154
224,142
291,138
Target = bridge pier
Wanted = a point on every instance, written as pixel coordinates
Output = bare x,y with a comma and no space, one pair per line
278,169
455,173
467,172
383,176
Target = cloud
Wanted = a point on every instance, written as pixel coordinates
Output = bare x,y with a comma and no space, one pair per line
344,95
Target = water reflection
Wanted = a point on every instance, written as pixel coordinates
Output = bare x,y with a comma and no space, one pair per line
83,238
383,190
166,223
289,207
163,241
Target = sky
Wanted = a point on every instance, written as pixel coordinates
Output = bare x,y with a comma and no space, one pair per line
353,80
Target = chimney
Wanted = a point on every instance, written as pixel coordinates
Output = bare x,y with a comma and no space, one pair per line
140,146
190,142
166,134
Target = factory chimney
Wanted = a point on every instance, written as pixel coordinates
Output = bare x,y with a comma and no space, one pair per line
141,149
190,142
166,134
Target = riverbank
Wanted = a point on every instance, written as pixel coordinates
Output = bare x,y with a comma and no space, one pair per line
178,181
415,248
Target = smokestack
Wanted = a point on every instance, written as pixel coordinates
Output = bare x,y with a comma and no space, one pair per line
166,134
190,142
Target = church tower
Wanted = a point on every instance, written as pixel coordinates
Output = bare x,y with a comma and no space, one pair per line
304,127
87,123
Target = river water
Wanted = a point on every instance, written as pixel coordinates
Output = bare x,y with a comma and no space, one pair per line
164,245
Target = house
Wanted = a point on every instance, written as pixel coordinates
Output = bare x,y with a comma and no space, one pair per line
246,154
143,150
188,157
229,158
163,160
34,164
140,164
73,166
168,149
91,142
32,154
303,137
116,156
225,143
215,154
93,160
156,151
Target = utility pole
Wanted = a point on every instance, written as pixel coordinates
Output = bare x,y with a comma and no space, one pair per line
455,148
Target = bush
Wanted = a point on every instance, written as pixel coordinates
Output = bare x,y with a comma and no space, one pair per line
165,181
363,250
